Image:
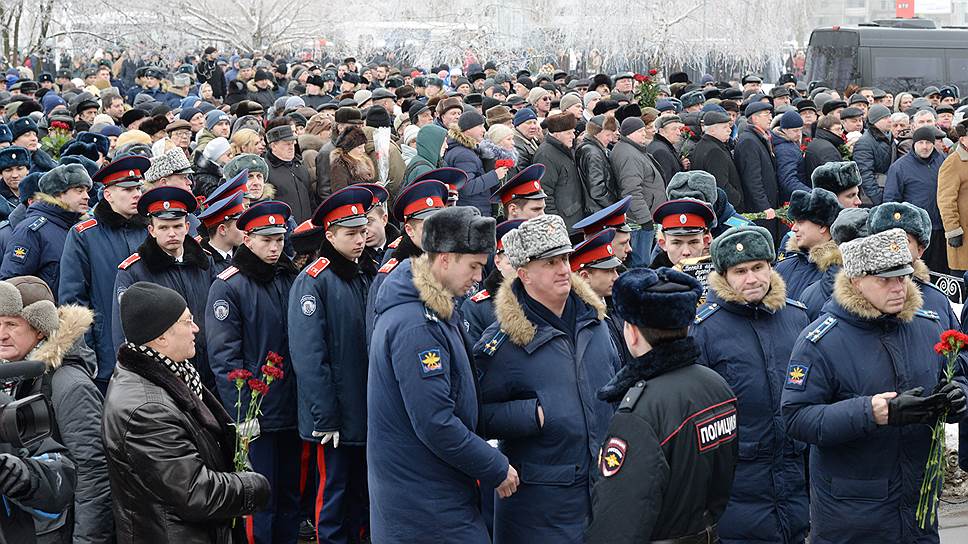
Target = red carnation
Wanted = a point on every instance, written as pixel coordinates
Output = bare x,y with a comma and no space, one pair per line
274,358
258,386
940,348
272,372
239,374
653,72
639,77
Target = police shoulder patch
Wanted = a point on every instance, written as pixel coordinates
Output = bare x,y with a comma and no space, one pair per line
84,225
612,456
431,363
388,266
481,296
631,397
308,305
39,222
395,243
129,261
796,378
490,348
221,309
227,273
928,314
797,303
317,267
823,328
705,312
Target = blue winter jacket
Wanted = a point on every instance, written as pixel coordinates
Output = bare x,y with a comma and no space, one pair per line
865,478
914,180
478,309
92,253
525,362
462,153
749,346
37,242
790,172
245,319
423,456
800,270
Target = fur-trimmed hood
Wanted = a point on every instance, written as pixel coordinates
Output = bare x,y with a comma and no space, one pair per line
50,199
73,323
852,301
458,138
513,319
431,292
774,300
921,271
823,255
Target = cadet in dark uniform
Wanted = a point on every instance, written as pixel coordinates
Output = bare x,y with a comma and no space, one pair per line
379,232
595,262
453,178
478,309
667,462
522,196
612,217
684,235
326,319
808,250
223,234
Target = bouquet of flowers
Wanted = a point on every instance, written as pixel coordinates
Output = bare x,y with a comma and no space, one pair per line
951,344
783,214
58,134
258,389
648,88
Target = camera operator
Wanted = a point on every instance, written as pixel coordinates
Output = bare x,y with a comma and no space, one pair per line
32,327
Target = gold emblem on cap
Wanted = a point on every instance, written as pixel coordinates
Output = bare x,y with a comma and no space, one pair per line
739,247
131,172
272,220
897,216
682,219
894,247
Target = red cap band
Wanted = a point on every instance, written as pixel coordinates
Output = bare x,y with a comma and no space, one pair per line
214,220
613,222
124,174
423,204
683,220
167,206
521,191
590,257
343,212
270,220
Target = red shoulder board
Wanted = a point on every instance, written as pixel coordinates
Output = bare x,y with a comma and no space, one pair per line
84,225
318,266
482,295
227,273
395,243
389,266
129,261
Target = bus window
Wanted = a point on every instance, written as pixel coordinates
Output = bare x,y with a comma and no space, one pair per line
832,58
897,69
958,69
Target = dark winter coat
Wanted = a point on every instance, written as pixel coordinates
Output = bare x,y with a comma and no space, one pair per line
397,251
327,339
92,253
210,72
423,457
40,161
245,319
816,295
170,459
37,243
666,155
749,346
207,176
561,182
525,362
291,180
595,171
872,153
756,165
525,149
800,270
462,153
478,309
640,177
266,97
790,172
915,180
865,478
323,188
219,263
714,157
823,148
8,201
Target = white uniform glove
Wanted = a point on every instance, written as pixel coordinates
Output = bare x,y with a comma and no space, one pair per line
326,437
249,429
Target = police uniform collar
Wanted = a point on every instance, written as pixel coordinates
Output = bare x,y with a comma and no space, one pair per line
258,270
157,260
343,267
662,359
106,215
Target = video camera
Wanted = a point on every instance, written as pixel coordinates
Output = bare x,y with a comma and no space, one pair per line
25,421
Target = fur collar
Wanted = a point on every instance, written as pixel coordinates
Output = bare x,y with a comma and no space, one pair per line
791,245
406,249
207,411
52,200
774,300
826,255
105,214
663,358
456,135
431,292
73,323
257,269
851,300
921,272
514,321
157,260
343,267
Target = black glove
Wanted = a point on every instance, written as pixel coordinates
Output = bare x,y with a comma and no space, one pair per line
956,241
954,397
14,476
910,407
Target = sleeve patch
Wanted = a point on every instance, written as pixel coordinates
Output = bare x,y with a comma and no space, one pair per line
716,430
796,378
19,253
220,309
612,456
308,305
317,267
389,266
84,225
430,362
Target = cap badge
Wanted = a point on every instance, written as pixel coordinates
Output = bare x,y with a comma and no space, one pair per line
430,201
895,248
537,186
682,219
739,247
131,173
272,220
609,247
166,205
13,155
897,216
353,209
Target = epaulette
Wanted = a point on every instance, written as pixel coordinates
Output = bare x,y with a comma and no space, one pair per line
481,296
632,396
796,303
318,266
84,225
490,348
705,312
4,223
129,261
388,266
823,328
430,315
39,222
227,273
928,314
395,243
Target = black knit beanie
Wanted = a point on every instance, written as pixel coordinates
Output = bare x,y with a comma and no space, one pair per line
148,310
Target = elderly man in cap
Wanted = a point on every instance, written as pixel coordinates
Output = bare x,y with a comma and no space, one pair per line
664,473
422,404
94,248
640,177
246,306
527,138
169,442
745,332
756,165
327,338
811,250
664,145
37,243
787,138
712,154
34,328
287,173
546,317
853,391
873,152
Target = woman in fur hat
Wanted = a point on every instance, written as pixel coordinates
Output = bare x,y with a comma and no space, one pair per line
349,163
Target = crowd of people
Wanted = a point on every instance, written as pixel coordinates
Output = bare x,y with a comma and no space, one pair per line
496,307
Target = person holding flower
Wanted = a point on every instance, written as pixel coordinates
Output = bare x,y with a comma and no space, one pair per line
860,389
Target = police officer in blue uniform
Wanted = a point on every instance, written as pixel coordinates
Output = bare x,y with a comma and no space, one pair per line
37,243
170,257
245,319
595,262
612,217
745,332
326,319
548,420
478,309
812,214
522,196
853,391
851,223
96,246
424,456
